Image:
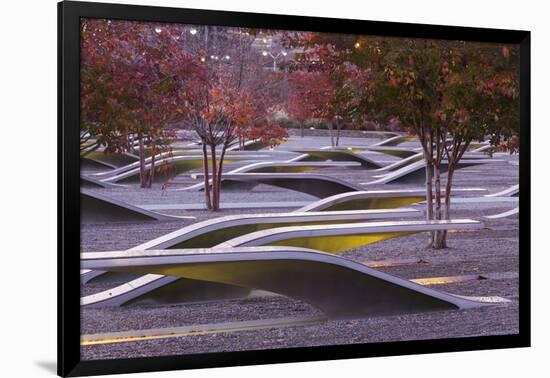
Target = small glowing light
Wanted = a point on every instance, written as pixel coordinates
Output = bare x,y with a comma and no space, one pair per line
203,59
446,280
158,30
211,56
227,57
264,53
193,31
264,40
284,53
357,45
312,128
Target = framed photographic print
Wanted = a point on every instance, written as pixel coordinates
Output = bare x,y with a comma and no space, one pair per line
261,188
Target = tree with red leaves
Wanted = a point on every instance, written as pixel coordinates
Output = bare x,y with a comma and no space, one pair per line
133,77
225,104
326,86
449,93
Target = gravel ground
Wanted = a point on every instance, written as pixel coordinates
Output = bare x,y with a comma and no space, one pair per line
493,249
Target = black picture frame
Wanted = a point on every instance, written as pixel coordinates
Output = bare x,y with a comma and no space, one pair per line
69,14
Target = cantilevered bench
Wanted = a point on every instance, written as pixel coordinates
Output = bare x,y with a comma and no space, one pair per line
415,173
336,238
337,155
90,182
339,287
214,231
289,167
95,207
400,152
211,232
394,141
506,214
178,164
109,160
512,191
317,185
249,145
377,199
154,288
190,154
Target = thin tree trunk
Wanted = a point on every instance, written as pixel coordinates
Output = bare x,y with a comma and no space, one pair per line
207,200
447,208
220,170
330,132
301,129
152,168
428,156
438,236
215,191
429,193
440,146
142,173
337,135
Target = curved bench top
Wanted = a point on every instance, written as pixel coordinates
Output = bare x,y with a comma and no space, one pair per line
394,141
135,170
124,210
310,183
416,167
401,152
414,194
333,230
339,287
168,160
210,225
250,168
509,192
506,214
342,155
111,160
401,163
176,153
95,183
158,157
151,282
419,156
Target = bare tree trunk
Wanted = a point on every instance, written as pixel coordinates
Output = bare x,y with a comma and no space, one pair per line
440,141
220,170
330,132
438,242
215,189
142,172
207,200
301,129
429,193
447,208
428,157
337,135
152,166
